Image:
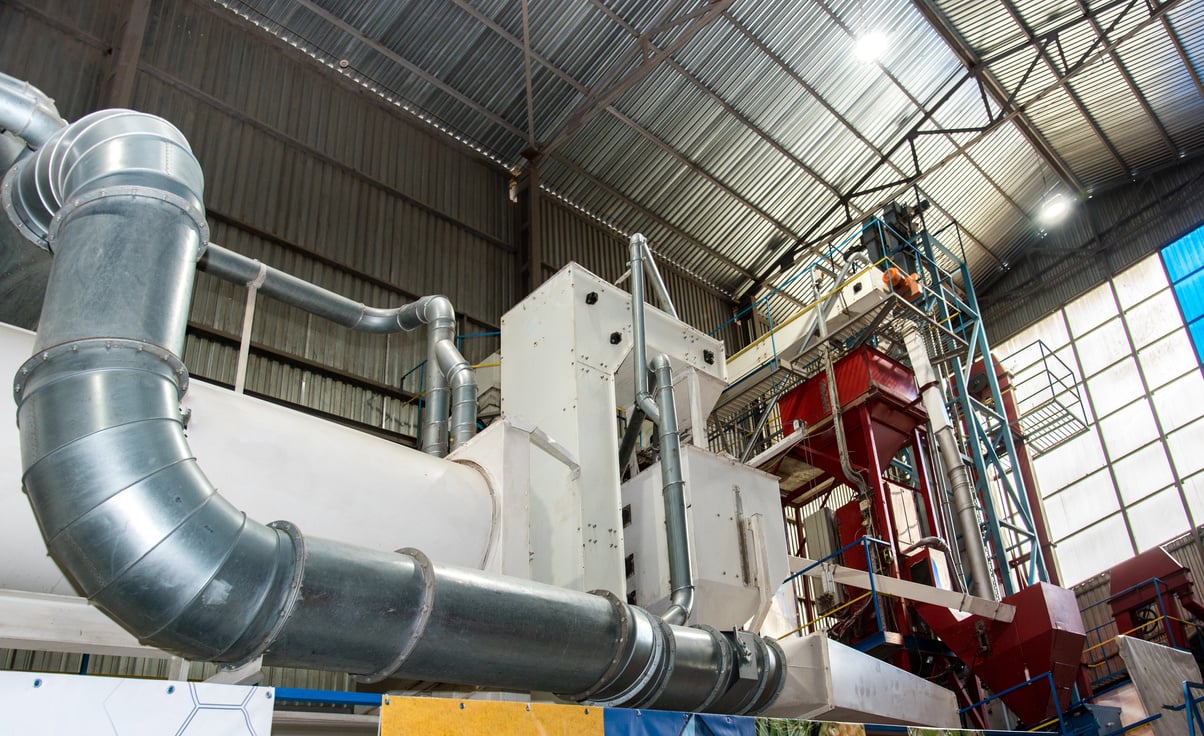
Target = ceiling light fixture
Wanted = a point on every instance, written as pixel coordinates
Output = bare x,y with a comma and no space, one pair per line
1055,209
870,46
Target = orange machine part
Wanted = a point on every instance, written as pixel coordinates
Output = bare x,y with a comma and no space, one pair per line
902,283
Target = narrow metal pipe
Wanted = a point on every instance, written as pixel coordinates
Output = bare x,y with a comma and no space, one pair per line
842,445
677,527
451,386
658,283
103,449
639,346
961,485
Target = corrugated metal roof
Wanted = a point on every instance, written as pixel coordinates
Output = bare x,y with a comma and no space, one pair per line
749,138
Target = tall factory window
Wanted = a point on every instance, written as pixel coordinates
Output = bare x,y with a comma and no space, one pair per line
1134,478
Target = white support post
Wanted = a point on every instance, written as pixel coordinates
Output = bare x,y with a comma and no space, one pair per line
248,321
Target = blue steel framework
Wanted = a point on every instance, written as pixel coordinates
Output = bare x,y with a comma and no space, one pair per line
948,313
986,433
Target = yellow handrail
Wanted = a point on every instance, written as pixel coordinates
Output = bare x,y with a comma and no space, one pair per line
807,309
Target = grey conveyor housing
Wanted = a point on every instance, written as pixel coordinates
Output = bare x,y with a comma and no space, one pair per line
117,195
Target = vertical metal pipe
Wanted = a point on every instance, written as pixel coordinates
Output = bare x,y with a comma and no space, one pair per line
639,346
960,483
677,528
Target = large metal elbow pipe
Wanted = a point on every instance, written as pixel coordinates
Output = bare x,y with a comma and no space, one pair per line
128,514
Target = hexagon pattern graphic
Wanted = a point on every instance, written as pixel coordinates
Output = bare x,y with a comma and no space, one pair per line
35,704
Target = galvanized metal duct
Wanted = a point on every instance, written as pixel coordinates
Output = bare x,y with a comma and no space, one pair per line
663,413
677,528
639,341
449,371
961,485
26,112
27,119
129,516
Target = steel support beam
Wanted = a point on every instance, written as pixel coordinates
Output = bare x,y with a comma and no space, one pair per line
811,238
1043,51
1101,35
974,66
906,589
410,67
600,99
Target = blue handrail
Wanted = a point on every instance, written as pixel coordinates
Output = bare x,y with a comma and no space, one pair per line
1053,690
865,542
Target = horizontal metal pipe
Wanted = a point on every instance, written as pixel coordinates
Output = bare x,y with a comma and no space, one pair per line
139,529
451,384
27,112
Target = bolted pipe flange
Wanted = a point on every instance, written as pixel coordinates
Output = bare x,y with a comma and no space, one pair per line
647,669
76,350
427,569
723,667
623,651
10,210
131,191
655,687
282,614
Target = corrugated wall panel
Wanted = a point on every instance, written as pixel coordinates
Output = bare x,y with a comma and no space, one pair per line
62,47
306,172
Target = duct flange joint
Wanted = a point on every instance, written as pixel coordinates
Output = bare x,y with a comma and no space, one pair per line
427,569
111,193
102,344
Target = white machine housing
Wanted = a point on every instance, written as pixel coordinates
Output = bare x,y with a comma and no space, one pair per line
567,375
737,539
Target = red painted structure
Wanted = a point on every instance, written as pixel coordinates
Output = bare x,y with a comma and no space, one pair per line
1046,636
881,413
1146,588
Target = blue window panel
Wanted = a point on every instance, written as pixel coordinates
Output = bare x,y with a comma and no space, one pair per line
1197,336
1190,293
1185,256
1184,262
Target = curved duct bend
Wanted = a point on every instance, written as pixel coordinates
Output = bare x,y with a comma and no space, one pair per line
448,367
26,112
139,529
28,118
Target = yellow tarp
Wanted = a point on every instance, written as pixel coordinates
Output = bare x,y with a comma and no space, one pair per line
445,717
